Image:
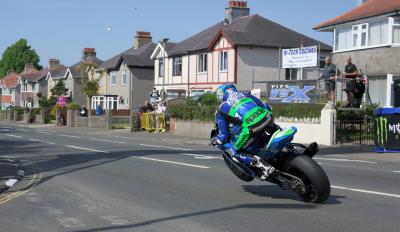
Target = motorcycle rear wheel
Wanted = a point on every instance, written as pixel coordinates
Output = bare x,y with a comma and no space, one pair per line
316,182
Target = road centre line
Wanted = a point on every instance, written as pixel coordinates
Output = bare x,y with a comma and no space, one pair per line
346,160
86,149
396,171
173,148
15,136
22,130
366,191
108,141
70,136
41,141
171,162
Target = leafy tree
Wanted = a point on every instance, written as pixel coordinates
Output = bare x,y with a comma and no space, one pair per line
16,56
90,84
59,89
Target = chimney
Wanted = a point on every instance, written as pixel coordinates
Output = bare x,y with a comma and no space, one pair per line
29,67
11,72
236,9
53,62
142,38
88,53
360,2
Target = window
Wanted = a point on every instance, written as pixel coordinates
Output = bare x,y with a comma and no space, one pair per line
124,79
161,69
378,33
177,69
396,30
292,74
202,63
101,80
113,78
360,35
34,87
223,63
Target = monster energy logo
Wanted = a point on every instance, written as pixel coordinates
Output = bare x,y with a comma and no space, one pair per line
381,130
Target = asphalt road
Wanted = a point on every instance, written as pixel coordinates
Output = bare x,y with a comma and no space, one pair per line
89,180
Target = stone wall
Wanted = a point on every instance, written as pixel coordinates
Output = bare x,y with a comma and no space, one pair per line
120,120
82,122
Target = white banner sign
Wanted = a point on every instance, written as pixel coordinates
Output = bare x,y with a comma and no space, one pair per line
300,57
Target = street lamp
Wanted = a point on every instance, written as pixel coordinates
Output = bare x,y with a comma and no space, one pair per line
164,41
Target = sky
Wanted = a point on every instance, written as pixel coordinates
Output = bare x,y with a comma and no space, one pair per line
62,28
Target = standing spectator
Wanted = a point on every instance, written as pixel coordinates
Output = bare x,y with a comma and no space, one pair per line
350,73
160,118
329,75
154,95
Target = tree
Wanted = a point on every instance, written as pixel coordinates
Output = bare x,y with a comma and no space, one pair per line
59,89
90,84
16,56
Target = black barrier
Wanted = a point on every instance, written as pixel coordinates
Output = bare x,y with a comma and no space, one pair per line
387,130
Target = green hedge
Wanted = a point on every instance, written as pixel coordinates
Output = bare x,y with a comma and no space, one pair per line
192,111
297,110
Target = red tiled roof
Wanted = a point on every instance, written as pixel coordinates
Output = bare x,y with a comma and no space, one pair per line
365,10
6,99
11,81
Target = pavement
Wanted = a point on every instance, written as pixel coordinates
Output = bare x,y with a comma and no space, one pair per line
80,179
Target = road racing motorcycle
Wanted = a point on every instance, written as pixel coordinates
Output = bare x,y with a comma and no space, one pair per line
295,169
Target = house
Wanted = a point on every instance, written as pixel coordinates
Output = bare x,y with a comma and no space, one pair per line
243,49
127,78
56,72
32,85
9,96
370,34
73,79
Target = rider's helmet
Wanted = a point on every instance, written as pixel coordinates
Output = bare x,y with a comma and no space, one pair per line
224,89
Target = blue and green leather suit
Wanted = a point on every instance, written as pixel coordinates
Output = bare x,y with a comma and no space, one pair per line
249,115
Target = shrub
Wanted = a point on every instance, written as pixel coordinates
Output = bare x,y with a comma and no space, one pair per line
73,106
53,112
209,99
297,110
45,103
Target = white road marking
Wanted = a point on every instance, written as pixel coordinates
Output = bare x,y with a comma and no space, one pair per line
11,182
115,220
108,141
22,130
346,160
15,136
4,130
171,162
320,163
70,136
203,157
366,191
42,132
41,141
396,171
86,149
173,148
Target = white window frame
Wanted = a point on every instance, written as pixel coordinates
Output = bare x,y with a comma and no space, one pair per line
223,61
113,76
202,66
393,24
161,67
359,32
124,77
175,66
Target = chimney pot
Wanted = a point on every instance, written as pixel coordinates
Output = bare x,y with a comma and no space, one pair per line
142,38
53,62
236,9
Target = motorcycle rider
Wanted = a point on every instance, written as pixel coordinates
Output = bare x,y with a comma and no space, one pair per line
251,119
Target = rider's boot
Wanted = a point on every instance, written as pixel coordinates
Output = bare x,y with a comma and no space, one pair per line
266,168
